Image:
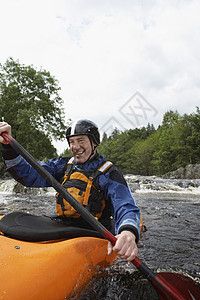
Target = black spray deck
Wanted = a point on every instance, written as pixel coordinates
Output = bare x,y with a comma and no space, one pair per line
32,228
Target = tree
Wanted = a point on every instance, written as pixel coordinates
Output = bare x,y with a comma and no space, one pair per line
66,153
147,151
30,102
115,134
166,155
105,137
170,119
187,142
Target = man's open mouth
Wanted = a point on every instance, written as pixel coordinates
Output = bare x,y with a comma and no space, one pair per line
80,152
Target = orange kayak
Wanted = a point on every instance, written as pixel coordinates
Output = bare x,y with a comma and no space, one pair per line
53,269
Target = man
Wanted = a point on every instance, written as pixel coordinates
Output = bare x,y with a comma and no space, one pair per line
93,181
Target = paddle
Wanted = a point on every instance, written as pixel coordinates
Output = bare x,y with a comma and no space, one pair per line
168,285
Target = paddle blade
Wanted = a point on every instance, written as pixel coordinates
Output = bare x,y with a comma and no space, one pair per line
188,288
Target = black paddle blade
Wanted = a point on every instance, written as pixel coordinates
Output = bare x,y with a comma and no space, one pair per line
187,287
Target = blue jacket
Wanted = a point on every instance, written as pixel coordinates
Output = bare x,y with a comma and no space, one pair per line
125,213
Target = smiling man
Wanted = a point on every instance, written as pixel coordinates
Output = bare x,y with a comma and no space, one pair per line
80,147
95,182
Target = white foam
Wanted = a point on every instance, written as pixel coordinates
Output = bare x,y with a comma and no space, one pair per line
153,184
7,188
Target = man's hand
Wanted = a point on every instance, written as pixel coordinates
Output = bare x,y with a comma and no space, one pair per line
125,246
4,127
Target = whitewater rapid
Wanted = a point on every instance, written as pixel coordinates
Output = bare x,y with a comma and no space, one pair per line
137,184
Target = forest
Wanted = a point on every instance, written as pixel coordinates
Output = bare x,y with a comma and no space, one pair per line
149,151
30,102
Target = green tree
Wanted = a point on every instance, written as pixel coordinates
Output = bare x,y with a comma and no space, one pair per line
115,134
165,154
194,138
105,137
147,151
140,158
170,119
30,102
178,141
120,147
66,153
187,140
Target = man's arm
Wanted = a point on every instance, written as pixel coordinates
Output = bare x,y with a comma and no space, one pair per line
126,215
21,170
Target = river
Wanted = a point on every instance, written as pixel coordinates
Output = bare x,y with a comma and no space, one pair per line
171,241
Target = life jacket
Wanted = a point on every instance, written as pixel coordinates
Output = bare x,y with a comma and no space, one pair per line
80,184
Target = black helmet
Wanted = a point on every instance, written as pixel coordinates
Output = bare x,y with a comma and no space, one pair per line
84,127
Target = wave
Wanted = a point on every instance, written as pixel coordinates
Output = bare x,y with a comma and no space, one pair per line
10,187
136,183
153,184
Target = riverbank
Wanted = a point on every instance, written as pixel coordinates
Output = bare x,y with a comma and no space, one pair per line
191,171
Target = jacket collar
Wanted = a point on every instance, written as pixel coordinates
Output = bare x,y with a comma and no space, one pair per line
94,163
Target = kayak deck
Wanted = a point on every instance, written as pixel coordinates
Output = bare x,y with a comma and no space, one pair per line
33,228
41,258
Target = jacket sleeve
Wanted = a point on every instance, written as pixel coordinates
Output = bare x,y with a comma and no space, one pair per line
125,212
24,173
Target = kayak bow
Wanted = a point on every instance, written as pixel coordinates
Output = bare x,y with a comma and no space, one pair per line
49,270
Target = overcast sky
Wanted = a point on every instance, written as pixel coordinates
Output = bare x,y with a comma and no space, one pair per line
120,63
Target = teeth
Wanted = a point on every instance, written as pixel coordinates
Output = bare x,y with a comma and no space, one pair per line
78,153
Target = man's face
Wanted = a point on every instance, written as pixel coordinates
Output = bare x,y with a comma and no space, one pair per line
80,147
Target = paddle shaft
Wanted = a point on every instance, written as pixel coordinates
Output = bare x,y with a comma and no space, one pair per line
157,281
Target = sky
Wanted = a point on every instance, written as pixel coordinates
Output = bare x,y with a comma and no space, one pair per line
119,63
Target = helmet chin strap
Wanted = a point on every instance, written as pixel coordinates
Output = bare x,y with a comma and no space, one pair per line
93,148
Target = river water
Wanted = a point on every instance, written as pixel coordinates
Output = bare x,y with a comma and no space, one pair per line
170,242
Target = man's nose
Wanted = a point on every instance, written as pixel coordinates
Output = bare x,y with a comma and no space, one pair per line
76,145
